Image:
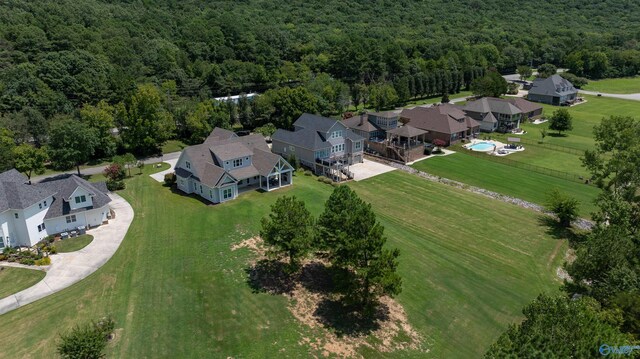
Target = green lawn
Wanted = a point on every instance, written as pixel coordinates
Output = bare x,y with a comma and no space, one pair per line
173,146
621,85
509,180
176,283
423,101
13,280
73,244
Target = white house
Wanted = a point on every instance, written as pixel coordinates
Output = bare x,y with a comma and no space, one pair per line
226,164
30,212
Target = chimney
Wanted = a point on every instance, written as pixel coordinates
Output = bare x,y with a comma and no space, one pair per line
361,118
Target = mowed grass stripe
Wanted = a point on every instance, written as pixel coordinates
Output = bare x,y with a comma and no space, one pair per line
176,289
512,181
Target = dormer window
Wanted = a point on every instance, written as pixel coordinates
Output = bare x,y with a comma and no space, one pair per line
81,199
237,162
336,134
188,164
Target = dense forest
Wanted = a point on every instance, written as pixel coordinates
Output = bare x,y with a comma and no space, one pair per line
158,64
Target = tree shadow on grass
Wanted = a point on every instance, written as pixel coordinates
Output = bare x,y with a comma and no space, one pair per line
347,320
555,230
556,134
270,276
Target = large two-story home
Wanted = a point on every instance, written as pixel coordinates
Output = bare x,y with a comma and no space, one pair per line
386,136
323,144
30,212
443,122
496,114
553,90
225,163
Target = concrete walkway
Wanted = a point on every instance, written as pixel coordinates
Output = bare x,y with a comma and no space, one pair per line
160,175
69,268
368,169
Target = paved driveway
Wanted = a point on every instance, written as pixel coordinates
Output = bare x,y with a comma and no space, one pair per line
160,175
69,268
368,169
630,96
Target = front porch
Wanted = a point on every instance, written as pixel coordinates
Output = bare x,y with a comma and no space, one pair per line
280,176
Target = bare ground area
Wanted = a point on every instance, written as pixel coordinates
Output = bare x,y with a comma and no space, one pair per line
336,329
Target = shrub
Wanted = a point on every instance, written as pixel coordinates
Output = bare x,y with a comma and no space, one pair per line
170,179
115,172
439,143
563,206
115,185
45,261
53,250
27,261
86,341
293,161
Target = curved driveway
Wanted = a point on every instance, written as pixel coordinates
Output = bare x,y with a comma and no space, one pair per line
69,268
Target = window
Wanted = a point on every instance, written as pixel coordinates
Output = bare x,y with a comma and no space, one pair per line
188,164
71,218
358,145
81,199
15,215
237,162
45,203
200,188
337,148
41,227
40,205
1,242
336,134
227,193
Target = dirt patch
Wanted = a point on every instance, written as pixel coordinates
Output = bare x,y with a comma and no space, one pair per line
336,330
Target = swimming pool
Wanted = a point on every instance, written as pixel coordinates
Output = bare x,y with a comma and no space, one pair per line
482,146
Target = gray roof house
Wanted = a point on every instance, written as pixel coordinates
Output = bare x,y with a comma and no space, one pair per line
30,212
225,164
445,122
554,90
323,144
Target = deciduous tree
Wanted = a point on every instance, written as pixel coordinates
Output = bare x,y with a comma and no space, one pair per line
72,143
29,159
561,120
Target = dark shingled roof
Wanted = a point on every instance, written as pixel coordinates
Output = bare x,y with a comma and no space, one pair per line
305,138
314,122
13,175
492,104
524,105
15,195
354,124
554,85
64,188
210,172
444,118
407,131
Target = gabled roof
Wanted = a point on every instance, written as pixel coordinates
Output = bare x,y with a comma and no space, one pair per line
524,105
13,175
354,124
15,195
229,151
219,134
436,119
64,186
492,104
305,138
554,85
226,146
471,123
407,131
385,114
489,117
315,122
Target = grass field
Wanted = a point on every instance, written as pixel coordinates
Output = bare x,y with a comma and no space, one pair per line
512,181
13,280
176,283
73,244
621,86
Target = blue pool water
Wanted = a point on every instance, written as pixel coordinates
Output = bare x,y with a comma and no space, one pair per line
481,146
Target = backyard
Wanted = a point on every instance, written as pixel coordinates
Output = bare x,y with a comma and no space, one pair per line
13,280
176,281
621,86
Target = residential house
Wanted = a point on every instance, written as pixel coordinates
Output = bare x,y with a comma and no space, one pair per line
530,110
323,144
554,90
218,169
444,122
31,212
384,138
494,114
